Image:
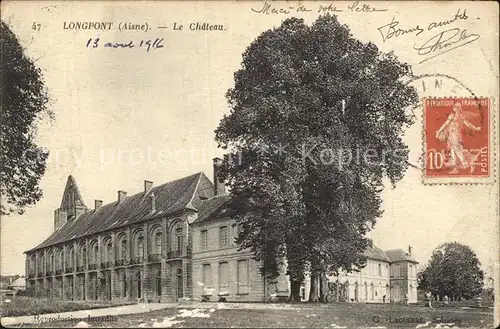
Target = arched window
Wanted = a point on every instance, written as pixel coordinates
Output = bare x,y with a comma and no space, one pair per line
372,292
108,251
366,291
158,242
31,263
140,247
61,259
83,256
71,257
95,253
42,269
51,261
123,249
179,238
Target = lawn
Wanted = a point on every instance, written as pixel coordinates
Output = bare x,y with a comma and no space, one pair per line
298,316
21,305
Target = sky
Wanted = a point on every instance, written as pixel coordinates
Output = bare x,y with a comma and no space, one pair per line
126,115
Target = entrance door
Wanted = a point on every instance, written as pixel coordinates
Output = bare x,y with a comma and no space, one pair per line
158,283
83,289
102,288
71,288
139,285
180,291
108,286
95,287
124,286
396,293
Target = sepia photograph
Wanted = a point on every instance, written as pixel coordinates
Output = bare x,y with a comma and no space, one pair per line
249,164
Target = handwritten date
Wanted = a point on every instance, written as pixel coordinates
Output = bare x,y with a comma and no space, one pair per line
146,44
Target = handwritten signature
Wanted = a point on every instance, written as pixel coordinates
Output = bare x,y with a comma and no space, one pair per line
444,42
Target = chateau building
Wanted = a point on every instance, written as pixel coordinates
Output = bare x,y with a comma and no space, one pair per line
389,276
175,241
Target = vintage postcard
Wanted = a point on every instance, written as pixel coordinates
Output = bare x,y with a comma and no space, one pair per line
249,164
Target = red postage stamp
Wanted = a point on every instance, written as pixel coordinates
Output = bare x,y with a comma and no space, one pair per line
457,143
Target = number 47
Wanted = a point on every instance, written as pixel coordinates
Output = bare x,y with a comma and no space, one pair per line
36,26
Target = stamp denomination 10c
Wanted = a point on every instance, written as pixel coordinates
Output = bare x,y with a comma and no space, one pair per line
457,140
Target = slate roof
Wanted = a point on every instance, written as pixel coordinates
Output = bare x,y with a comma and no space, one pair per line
213,208
376,253
397,255
171,197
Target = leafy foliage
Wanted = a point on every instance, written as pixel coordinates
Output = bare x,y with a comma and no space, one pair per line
453,271
305,100
23,104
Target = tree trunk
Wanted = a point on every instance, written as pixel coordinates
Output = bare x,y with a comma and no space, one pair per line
294,291
323,288
313,288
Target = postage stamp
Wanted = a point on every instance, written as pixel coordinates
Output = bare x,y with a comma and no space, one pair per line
457,140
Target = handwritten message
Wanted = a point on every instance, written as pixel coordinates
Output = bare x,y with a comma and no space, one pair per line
268,8
438,44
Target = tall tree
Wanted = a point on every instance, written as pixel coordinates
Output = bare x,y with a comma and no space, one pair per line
23,104
454,271
316,123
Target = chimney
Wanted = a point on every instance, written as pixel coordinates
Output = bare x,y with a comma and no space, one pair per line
219,187
148,185
60,218
152,202
121,196
409,250
97,204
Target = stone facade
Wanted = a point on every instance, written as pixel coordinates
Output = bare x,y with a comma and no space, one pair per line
145,261
148,273
388,277
220,271
173,242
